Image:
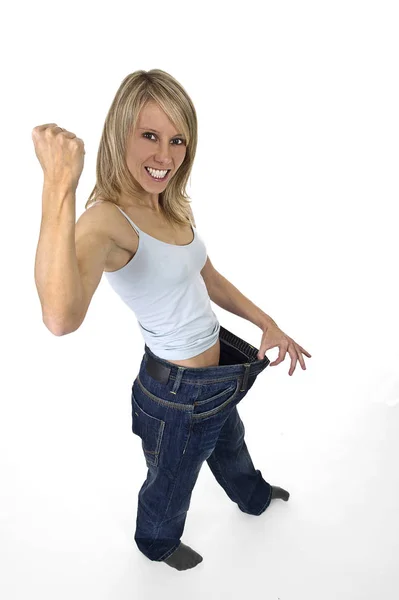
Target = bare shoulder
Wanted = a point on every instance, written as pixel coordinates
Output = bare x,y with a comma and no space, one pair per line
99,208
90,220
100,216
104,219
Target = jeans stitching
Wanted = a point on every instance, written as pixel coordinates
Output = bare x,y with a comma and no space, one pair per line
267,503
217,409
169,552
232,489
216,396
168,403
172,491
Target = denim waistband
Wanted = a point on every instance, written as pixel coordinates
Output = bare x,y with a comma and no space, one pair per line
250,364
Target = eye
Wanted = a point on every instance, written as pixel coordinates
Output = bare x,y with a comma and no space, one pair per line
174,139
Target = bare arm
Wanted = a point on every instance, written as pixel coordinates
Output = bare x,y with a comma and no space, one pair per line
57,275
70,258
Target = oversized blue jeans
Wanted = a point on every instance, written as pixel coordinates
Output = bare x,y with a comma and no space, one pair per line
187,418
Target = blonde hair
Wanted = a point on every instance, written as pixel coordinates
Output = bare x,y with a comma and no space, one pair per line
112,174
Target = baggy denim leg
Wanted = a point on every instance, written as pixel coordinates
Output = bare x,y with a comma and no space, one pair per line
164,497
158,536
185,416
232,466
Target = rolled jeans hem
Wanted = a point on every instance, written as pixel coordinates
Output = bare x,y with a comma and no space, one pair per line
170,552
267,503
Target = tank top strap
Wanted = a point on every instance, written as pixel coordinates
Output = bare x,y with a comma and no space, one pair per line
129,219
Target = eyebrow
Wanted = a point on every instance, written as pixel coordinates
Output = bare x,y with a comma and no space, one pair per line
149,129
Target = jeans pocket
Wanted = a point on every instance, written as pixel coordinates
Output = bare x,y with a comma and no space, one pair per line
214,397
150,429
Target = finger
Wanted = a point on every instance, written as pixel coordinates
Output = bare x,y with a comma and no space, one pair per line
264,348
304,351
281,355
262,352
294,358
300,357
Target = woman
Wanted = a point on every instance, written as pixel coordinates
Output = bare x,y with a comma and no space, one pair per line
139,230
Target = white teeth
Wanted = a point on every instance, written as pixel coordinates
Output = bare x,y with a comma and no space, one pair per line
156,173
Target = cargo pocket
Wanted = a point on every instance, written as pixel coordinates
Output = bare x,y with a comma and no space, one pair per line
150,430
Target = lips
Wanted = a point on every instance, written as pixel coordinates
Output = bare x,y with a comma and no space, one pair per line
157,178
156,168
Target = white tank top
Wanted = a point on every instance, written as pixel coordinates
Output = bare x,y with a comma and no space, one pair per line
163,286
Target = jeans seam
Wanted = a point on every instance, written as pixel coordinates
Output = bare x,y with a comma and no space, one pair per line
173,490
233,489
267,503
169,552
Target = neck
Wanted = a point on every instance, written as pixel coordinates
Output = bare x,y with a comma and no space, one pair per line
150,203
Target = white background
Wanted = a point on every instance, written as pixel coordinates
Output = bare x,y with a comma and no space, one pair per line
295,192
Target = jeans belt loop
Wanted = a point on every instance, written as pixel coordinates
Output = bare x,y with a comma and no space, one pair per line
245,378
180,371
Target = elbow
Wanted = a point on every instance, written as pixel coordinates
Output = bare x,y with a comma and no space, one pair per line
56,329
59,327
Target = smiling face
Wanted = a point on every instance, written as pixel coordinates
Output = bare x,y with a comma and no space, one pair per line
156,144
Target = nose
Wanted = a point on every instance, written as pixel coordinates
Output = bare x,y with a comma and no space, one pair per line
163,156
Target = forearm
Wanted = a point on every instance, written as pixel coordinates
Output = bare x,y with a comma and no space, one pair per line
227,296
57,276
